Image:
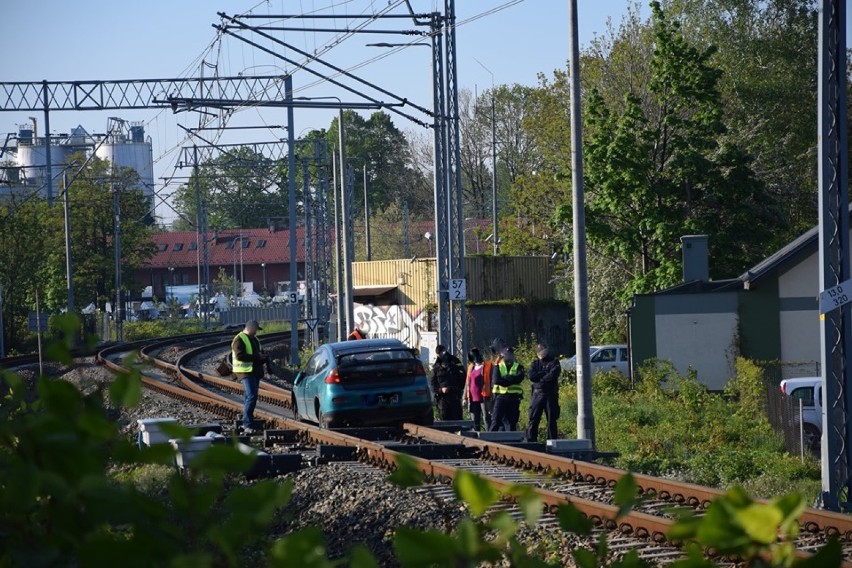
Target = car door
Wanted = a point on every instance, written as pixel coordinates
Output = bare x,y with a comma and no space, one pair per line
605,359
301,388
810,413
623,362
317,386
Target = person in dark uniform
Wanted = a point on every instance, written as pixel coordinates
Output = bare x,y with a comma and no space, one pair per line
544,376
447,384
506,379
248,359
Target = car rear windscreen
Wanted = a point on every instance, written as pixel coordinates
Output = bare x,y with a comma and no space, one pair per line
378,365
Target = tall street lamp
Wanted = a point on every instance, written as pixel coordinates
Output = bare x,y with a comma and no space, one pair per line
263,266
170,290
348,322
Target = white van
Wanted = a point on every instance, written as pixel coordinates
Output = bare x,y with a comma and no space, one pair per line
808,390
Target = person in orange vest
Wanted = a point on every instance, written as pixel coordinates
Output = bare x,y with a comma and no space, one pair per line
497,344
356,334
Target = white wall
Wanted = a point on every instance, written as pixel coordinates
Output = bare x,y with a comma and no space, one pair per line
700,341
798,290
802,280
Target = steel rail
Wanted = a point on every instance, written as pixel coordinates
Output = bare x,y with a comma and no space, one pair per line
811,521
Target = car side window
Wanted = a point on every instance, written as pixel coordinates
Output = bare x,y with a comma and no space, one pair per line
623,355
604,356
806,394
311,367
321,363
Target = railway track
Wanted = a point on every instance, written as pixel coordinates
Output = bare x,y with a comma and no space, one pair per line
441,455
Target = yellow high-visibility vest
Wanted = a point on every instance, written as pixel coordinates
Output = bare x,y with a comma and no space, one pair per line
242,366
504,371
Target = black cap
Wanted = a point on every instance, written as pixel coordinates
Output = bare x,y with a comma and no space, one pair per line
497,344
253,324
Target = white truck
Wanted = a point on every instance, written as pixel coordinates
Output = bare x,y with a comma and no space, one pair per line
808,390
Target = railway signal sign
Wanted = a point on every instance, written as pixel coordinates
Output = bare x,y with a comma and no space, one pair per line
835,297
293,297
311,323
38,322
458,289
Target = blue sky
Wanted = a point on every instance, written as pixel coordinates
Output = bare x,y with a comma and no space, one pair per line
109,39
61,40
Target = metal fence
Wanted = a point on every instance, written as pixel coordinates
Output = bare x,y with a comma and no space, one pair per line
784,414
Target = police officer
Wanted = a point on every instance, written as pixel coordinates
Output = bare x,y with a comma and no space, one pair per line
506,378
247,359
544,376
447,384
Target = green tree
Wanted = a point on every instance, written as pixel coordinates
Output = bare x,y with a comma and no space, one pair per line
33,251
767,53
22,246
664,167
240,188
392,177
92,228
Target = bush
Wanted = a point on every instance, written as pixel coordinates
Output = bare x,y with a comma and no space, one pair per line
74,492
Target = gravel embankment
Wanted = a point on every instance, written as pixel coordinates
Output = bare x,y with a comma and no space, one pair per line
352,505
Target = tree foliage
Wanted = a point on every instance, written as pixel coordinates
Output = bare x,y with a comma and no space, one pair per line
662,167
33,251
767,55
239,188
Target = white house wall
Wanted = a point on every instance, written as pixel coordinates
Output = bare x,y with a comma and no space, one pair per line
798,289
698,334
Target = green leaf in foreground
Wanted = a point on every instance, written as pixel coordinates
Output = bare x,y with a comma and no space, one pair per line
477,492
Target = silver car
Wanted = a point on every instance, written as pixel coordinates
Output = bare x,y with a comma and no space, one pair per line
603,358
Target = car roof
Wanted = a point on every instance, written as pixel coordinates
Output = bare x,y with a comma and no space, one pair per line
359,345
801,381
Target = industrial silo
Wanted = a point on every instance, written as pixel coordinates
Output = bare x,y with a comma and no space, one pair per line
127,148
32,155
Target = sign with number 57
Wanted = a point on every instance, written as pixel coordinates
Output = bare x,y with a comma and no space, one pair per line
458,289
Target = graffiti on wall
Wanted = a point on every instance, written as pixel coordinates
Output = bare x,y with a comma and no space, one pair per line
391,321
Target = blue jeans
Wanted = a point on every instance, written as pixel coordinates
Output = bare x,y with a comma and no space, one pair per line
250,387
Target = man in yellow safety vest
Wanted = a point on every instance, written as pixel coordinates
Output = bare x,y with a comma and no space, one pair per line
247,361
506,378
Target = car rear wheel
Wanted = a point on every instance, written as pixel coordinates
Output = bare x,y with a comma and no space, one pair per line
321,419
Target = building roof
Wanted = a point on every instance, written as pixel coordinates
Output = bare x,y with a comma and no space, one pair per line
805,244
181,248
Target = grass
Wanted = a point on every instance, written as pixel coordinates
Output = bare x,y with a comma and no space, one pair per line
669,425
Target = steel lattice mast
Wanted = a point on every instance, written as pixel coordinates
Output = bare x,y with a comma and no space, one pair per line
835,328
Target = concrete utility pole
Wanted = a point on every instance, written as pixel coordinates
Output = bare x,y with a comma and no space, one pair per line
585,416
367,246
346,225
338,238
69,270
118,312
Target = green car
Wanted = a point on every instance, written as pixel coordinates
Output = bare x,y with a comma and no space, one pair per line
367,382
